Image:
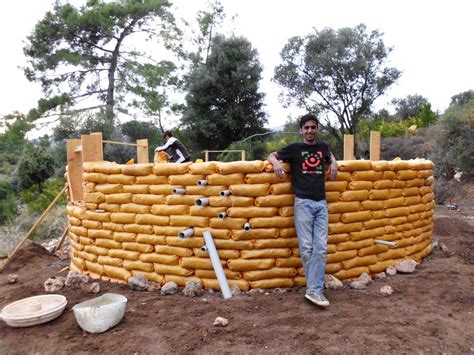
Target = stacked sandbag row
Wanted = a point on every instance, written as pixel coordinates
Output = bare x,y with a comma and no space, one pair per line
132,217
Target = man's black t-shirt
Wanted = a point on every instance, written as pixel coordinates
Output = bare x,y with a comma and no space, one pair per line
307,172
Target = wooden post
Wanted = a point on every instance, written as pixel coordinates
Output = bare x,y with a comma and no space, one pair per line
92,147
33,228
242,153
142,151
74,169
374,145
206,155
348,147
61,240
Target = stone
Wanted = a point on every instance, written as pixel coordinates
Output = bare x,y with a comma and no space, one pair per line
93,287
255,290
364,278
380,275
443,247
221,322
235,290
333,283
138,282
153,286
391,271
358,285
169,288
386,290
54,284
193,289
406,266
75,279
12,278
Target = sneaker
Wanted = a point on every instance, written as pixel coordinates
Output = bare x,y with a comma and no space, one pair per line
317,299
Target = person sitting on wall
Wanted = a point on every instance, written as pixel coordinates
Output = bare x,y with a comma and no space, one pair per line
179,152
307,160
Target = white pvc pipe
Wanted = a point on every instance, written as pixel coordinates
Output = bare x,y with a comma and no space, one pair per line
216,264
247,226
203,201
225,193
222,215
384,242
179,191
186,233
201,183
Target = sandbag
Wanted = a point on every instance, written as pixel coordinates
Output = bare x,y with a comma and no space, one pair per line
272,273
356,195
117,272
181,281
142,248
164,189
396,253
423,174
171,250
118,198
231,201
152,219
233,244
107,260
165,210
124,254
185,179
110,207
398,184
167,230
367,234
281,188
134,208
292,261
216,233
78,263
224,254
171,168
338,228
192,242
359,261
286,211
332,196
266,253
137,189
394,202
91,224
351,273
249,212
250,264
206,168
383,184
397,211
354,165
121,179
415,183
150,276
338,238
95,177
350,245
375,223
369,175
287,232
380,165
210,274
138,228
412,200
360,185
164,269
260,233
379,194
94,197
208,190
78,230
226,180
152,179
255,166
206,211
271,222
102,167
189,221
381,266
76,245
361,216
395,193
264,178
99,233
269,166
124,237
194,262
275,200
95,268
137,169
343,176
372,249
406,174
109,188
107,243
151,239
214,284
227,223
189,200
253,190
138,265
97,216
340,186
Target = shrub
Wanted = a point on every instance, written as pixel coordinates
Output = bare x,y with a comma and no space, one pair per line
38,201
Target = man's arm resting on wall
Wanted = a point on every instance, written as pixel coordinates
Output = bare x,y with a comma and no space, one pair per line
277,167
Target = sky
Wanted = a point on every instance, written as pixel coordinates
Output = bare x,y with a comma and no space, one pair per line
432,43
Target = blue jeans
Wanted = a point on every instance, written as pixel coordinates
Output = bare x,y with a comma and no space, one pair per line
311,223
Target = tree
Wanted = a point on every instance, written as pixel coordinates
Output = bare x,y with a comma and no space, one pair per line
82,53
411,106
340,72
223,103
35,166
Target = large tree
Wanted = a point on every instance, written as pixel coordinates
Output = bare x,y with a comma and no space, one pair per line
88,52
410,106
338,72
223,103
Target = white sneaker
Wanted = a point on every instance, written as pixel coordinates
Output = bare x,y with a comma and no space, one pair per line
317,299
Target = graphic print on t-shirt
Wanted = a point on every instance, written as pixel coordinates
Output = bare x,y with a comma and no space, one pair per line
312,162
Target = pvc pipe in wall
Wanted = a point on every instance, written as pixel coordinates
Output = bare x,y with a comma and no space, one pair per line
201,183
179,191
216,264
247,226
186,233
222,215
225,193
384,242
203,201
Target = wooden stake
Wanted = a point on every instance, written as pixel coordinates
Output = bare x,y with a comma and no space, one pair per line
33,228
374,145
61,240
348,147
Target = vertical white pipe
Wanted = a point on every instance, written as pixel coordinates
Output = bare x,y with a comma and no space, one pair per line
222,215
216,264
201,183
203,201
179,191
186,233
225,193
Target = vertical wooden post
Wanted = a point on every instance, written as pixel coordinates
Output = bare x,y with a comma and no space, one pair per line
243,154
374,145
348,147
101,145
74,169
206,155
142,151
92,147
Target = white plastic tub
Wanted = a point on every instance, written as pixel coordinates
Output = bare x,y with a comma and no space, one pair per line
100,314
33,310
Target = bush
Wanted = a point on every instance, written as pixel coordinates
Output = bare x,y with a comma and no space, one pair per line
7,203
38,201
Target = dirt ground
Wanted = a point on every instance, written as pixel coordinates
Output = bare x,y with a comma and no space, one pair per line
430,311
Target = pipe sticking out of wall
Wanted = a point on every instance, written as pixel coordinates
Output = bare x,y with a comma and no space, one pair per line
179,191
225,193
203,201
247,226
201,183
186,233
222,215
216,264
384,242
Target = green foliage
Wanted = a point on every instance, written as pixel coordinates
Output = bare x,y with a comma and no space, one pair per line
134,130
7,202
223,101
455,141
12,141
38,201
339,72
79,53
411,106
35,166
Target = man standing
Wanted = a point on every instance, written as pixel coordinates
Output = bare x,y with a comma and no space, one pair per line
180,153
311,215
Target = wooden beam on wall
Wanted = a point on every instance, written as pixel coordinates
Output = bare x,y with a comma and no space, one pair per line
142,151
348,147
92,148
74,169
374,145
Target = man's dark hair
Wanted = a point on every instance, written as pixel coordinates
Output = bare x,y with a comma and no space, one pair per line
308,117
167,134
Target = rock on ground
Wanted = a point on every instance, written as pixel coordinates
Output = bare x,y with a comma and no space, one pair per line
358,285
406,266
138,282
193,289
76,279
391,271
333,283
169,288
93,287
221,321
54,284
386,290
235,290
12,278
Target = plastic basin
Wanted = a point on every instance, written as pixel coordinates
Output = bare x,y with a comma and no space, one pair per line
33,310
100,314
